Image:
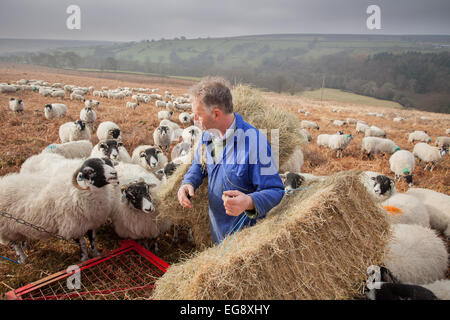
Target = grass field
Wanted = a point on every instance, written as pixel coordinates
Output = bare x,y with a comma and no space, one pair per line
22,136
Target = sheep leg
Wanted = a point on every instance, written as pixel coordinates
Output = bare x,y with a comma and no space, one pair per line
18,248
83,247
190,235
432,166
426,166
91,236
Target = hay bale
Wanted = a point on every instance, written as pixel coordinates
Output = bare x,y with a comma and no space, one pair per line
251,105
314,245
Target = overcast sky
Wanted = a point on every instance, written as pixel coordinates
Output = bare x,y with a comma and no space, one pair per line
128,20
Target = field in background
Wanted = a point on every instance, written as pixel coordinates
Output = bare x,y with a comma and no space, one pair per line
23,136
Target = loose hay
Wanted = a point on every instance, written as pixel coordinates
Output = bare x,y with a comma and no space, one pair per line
315,245
250,104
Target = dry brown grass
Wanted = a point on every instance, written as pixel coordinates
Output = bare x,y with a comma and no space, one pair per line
23,136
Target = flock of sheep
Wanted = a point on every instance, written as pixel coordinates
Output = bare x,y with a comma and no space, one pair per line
73,187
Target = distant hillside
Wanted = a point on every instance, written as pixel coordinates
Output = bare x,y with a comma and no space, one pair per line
15,46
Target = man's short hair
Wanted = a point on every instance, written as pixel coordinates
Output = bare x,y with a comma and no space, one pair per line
213,92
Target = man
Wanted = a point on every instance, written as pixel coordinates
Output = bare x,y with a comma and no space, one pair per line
241,188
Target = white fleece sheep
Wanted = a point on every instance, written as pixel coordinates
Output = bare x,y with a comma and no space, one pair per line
402,164
164,114
91,103
55,110
132,105
374,131
58,94
149,157
160,104
399,119
361,127
338,142
305,124
108,130
322,140
111,149
192,135
6,88
406,209
177,131
339,123
416,254
419,136
185,119
88,115
438,206
374,145
428,154
77,97
16,105
442,141
70,150
52,202
74,131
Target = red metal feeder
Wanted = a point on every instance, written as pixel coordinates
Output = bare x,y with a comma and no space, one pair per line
125,273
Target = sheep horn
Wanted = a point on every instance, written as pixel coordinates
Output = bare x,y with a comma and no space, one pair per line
75,182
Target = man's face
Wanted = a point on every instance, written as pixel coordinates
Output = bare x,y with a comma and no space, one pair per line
204,116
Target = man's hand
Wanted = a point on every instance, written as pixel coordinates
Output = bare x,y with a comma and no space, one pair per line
183,193
236,202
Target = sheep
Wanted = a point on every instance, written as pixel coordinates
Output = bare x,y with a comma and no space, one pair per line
402,164
295,161
79,91
167,171
108,130
16,105
406,209
74,131
374,131
306,135
44,91
191,135
70,150
55,110
185,119
50,163
338,142
162,137
438,206
428,154
305,124
6,88
339,123
111,149
442,141
164,114
420,136
132,105
416,254
88,115
361,127
149,157
160,104
379,186
91,103
58,94
399,119
177,131
350,121
77,97
52,202
373,145
322,140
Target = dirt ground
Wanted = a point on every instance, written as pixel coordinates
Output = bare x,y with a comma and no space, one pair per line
22,136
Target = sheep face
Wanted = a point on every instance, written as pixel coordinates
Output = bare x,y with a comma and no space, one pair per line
110,149
443,151
138,195
291,181
163,130
150,157
80,125
169,169
382,185
96,172
48,107
114,133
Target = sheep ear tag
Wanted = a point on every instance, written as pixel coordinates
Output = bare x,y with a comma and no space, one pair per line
348,135
405,171
397,149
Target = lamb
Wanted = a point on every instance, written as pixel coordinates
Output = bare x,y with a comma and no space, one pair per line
77,97
58,94
191,135
428,154
406,209
111,149
402,164
149,157
374,131
164,114
338,142
361,127
420,136
74,131
305,124
379,186
52,202
416,254
295,161
132,105
438,206
374,145
70,150
442,141
16,105
88,115
55,110
108,130
185,119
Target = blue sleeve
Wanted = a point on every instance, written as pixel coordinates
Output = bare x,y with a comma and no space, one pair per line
195,175
269,187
